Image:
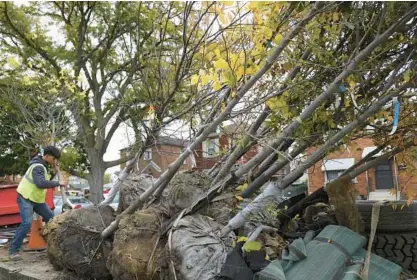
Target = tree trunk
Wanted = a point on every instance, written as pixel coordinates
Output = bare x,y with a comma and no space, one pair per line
96,175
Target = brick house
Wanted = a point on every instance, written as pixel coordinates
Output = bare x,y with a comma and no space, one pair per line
156,159
167,149
373,184
217,144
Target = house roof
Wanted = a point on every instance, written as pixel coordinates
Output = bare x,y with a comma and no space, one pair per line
337,164
166,140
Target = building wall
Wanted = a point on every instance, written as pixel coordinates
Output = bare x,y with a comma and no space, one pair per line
163,155
203,162
316,176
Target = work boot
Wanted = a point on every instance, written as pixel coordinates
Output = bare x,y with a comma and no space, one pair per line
15,257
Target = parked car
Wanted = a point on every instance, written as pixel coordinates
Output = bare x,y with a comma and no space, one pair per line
74,201
115,202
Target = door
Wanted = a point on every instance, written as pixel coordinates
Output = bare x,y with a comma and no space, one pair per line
383,176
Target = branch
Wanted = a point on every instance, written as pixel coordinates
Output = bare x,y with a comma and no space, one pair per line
108,164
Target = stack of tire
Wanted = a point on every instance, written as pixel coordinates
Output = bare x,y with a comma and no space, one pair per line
396,234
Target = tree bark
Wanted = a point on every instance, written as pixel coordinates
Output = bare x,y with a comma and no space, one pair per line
96,175
278,165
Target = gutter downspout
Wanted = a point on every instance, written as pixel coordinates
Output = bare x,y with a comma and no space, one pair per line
368,187
396,178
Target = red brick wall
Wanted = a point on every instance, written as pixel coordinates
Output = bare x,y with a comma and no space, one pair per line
163,155
316,175
406,182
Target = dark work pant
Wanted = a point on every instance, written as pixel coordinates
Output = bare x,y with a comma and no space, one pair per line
27,208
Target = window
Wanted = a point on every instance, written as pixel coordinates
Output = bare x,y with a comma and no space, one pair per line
147,155
210,148
334,174
333,168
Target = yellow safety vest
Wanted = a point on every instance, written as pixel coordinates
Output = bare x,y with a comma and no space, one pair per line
28,189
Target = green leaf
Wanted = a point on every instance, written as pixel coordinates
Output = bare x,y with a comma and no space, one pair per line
252,246
407,75
13,62
221,64
194,79
278,39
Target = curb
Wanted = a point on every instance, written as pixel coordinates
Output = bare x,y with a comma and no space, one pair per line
10,273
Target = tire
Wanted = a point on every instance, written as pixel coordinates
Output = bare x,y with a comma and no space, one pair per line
400,248
392,219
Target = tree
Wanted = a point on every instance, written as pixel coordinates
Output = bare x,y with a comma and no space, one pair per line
341,94
111,63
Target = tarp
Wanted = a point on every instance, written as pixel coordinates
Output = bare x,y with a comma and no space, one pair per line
336,253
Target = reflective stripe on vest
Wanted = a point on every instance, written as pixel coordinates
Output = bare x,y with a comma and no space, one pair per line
28,189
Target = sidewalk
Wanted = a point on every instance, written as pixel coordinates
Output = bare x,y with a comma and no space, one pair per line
34,266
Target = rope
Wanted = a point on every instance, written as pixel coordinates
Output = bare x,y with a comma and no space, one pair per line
374,223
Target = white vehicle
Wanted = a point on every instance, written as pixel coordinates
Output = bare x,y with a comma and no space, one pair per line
75,202
115,202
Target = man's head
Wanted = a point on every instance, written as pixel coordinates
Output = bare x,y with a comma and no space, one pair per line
51,153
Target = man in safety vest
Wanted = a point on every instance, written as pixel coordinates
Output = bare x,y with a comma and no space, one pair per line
31,195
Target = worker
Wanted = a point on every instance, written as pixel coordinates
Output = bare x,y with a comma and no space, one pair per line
31,195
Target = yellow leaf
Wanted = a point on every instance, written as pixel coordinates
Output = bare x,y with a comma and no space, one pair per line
223,19
242,239
252,246
205,80
253,69
278,39
253,6
227,3
221,64
242,187
394,206
223,106
268,32
407,75
217,86
238,197
13,62
287,66
194,79
402,206
240,72
278,5
234,93
218,53
392,191
27,81
352,84
335,16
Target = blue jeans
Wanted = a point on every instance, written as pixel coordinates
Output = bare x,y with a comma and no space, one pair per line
27,208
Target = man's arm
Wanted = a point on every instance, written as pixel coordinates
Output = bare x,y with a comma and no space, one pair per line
38,175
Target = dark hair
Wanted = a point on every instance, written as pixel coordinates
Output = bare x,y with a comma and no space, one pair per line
53,151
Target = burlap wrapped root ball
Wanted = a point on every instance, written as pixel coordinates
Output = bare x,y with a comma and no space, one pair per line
75,243
132,187
137,246
195,249
187,187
